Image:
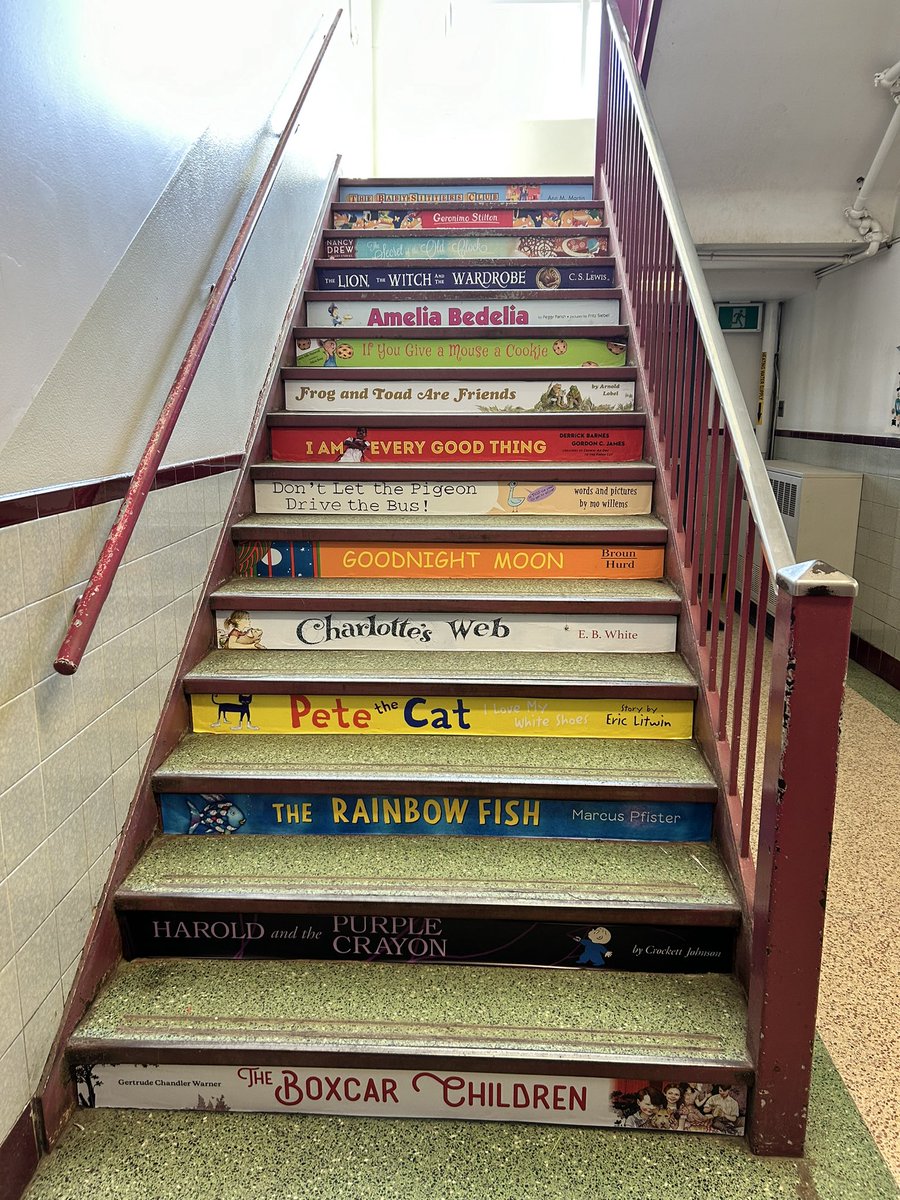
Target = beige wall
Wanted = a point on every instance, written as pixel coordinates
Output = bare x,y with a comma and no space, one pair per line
114,304
71,747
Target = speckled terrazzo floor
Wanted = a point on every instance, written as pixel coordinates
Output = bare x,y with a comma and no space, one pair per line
486,666
695,1018
124,1155
497,589
587,762
860,982
458,870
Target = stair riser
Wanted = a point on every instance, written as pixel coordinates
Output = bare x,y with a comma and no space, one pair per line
298,815
429,560
582,443
349,353
423,276
463,498
431,1092
471,715
462,191
454,314
236,929
267,630
467,245
472,398
441,217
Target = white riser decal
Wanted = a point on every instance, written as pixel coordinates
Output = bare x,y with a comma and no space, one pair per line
263,630
357,1091
397,498
463,314
470,396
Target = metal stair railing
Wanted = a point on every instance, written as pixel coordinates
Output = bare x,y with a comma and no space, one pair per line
97,588
732,558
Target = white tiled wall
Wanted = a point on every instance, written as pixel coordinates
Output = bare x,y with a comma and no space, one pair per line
71,748
876,613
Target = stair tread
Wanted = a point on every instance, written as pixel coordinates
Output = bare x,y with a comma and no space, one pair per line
536,762
453,871
478,470
498,591
449,668
438,522
373,1007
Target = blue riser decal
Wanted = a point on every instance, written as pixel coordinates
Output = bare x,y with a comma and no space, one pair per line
261,813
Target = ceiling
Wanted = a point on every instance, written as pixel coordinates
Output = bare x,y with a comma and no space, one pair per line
768,115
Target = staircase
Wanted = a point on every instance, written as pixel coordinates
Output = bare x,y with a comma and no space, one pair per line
438,839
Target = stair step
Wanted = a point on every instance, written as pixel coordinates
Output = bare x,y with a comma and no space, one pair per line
537,423
464,189
464,876
299,618
593,674
484,276
646,530
604,473
483,396
399,1015
531,244
476,445
594,346
579,770
441,215
536,595
415,899
349,489
461,310
460,694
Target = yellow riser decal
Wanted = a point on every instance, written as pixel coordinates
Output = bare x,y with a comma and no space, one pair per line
457,716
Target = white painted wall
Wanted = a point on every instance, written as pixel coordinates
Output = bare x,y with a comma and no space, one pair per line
839,356
470,89
132,143
840,369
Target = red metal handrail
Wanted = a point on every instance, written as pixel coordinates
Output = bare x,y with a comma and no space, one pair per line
98,586
732,557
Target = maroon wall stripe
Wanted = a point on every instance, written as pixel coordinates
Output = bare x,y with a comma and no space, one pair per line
49,502
853,439
879,662
19,1156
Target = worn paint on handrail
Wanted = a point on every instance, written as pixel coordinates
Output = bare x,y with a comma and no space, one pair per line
98,586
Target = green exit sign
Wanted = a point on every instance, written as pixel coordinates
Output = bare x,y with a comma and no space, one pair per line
740,318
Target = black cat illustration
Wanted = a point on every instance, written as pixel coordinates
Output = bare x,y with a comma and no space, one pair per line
242,708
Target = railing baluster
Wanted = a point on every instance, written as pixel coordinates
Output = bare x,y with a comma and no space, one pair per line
727,503
730,590
714,488
694,541
740,671
754,709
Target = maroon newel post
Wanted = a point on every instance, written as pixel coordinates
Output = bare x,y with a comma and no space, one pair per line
812,635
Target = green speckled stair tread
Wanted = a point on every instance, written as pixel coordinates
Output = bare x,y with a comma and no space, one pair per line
435,524
459,870
498,470
499,590
535,761
133,1155
452,666
373,1006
